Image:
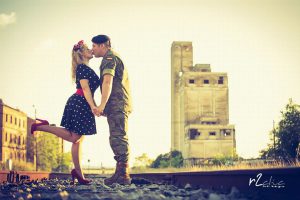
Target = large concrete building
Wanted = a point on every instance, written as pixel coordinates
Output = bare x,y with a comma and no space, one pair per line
200,111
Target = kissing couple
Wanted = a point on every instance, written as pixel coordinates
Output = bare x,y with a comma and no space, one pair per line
80,110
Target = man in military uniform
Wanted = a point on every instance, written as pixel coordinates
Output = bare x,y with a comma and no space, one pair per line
115,105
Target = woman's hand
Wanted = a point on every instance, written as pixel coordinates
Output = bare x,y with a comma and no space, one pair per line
95,111
100,109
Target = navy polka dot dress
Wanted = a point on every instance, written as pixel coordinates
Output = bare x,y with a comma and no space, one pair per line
77,116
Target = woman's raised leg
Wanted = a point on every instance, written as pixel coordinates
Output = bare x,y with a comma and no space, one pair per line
60,132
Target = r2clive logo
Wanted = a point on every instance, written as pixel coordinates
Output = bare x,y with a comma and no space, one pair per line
265,183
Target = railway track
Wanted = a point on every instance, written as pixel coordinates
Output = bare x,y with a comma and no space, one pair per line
272,183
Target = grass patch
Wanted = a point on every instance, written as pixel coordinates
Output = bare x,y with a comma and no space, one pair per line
235,166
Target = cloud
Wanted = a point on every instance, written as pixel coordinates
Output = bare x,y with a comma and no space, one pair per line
6,19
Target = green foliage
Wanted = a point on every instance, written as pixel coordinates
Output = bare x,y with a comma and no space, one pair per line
142,161
19,166
65,162
171,159
22,166
223,160
49,155
287,135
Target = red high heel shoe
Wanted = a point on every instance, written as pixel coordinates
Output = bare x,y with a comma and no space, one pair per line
34,125
80,179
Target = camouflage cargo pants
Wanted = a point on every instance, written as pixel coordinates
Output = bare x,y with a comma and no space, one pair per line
118,138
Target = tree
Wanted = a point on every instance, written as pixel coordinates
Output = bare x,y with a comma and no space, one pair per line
171,159
142,161
287,135
64,160
50,156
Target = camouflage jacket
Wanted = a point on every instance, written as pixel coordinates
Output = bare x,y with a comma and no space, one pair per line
120,97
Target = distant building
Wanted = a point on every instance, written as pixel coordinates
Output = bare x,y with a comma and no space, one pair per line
200,111
16,142
13,132
30,144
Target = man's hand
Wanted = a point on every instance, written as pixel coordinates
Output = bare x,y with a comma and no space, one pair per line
95,111
100,110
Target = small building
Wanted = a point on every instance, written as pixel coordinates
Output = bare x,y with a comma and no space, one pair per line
13,132
17,144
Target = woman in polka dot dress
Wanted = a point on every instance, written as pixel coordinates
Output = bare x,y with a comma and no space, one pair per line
78,116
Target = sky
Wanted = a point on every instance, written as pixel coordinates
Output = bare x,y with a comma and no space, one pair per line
256,42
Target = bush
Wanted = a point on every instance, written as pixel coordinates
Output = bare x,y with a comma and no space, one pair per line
223,160
171,159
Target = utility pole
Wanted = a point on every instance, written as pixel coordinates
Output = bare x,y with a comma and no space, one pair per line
274,138
35,141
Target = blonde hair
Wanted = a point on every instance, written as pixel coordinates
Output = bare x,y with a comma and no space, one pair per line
77,58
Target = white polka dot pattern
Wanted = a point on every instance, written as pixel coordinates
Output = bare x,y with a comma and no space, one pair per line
77,116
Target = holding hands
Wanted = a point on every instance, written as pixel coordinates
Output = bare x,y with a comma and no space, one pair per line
98,110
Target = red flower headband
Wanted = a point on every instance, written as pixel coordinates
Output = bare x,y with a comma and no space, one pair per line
78,45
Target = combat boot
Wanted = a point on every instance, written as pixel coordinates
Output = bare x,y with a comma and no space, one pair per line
121,175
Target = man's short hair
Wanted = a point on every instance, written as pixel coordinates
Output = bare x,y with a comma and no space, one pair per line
100,39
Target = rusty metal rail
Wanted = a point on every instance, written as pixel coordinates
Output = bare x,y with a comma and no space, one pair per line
271,183
18,176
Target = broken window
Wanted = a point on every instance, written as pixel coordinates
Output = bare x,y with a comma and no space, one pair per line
212,133
193,134
208,122
227,132
220,81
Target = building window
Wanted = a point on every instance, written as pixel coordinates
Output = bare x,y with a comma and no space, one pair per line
11,119
227,132
206,81
192,81
208,123
221,80
6,117
193,134
15,121
5,136
212,133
